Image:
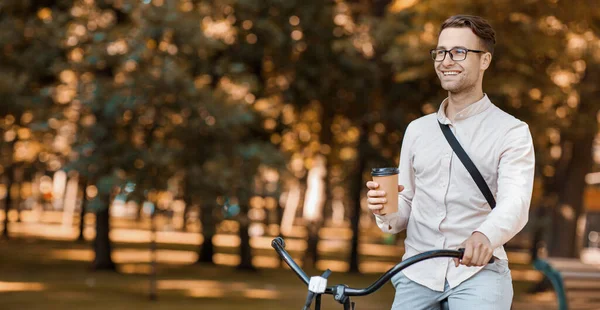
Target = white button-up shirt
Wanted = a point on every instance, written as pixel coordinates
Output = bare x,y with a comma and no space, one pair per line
441,206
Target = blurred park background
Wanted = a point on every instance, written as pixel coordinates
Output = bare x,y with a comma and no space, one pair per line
154,148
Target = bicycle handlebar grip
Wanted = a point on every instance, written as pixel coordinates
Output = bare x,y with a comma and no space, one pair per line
462,252
278,241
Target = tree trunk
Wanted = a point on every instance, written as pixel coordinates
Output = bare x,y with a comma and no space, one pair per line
357,186
315,226
8,200
279,222
18,201
245,248
81,236
102,244
570,197
207,249
82,186
186,211
312,256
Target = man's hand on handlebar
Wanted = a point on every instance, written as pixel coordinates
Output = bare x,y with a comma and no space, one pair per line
478,251
376,198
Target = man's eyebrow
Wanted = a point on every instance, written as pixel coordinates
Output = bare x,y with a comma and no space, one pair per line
457,46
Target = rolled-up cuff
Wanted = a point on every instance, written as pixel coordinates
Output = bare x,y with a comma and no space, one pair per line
384,221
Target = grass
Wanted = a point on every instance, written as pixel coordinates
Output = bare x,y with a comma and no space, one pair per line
32,277
44,282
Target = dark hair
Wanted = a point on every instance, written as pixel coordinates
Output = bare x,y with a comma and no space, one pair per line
480,27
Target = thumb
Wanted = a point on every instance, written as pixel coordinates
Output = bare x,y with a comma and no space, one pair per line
456,260
400,188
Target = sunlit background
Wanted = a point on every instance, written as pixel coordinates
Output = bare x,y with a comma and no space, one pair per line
156,147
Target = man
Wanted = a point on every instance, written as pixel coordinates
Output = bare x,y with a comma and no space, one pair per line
440,205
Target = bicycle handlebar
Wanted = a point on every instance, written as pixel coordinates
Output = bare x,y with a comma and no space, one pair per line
279,245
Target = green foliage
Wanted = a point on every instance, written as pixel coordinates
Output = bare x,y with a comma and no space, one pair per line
209,93
160,99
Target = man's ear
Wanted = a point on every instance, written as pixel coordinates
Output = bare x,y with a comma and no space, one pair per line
486,60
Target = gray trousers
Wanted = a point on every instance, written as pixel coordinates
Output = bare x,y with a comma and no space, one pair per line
489,289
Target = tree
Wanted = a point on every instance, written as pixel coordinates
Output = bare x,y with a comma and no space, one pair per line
29,51
318,58
163,105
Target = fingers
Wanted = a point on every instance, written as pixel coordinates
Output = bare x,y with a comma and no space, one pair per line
468,256
486,260
375,201
487,255
375,194
484,256
375,209
476,255
456,262
372,185
375,198
478,250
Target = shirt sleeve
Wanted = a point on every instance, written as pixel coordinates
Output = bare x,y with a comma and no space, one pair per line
516,170
396,222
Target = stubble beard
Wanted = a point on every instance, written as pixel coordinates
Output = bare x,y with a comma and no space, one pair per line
461,86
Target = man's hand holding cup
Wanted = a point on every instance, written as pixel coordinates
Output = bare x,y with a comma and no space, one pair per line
382,197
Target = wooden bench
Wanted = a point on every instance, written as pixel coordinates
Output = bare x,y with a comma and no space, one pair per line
577,284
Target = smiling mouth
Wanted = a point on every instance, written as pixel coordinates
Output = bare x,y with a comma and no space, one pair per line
450,73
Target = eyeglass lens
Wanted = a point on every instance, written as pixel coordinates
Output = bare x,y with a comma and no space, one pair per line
456,54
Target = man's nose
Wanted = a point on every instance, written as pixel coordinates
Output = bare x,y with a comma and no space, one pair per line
447,62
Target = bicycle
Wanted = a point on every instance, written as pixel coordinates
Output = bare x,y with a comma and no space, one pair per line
341,292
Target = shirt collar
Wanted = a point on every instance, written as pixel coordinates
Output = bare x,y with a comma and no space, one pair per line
471,110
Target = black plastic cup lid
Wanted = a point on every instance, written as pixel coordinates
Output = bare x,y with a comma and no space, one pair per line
379,172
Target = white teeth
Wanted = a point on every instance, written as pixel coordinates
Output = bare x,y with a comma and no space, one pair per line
451,73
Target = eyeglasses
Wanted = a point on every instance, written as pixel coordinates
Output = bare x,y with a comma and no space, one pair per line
456,53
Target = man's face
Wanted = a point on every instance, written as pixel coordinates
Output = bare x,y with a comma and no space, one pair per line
458,76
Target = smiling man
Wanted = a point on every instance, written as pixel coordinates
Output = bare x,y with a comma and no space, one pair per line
440,204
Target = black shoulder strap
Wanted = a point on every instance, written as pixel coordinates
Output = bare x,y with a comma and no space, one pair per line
464,158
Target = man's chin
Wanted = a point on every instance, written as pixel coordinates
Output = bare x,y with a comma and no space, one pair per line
451,87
